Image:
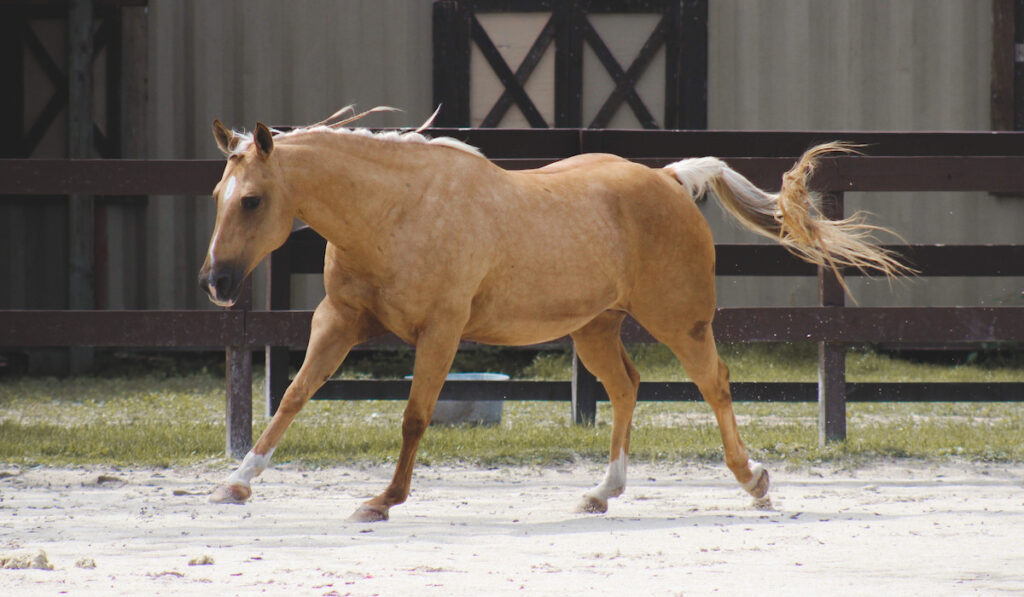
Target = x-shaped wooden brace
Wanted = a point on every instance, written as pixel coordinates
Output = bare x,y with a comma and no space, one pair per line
514,91
59,79
625,81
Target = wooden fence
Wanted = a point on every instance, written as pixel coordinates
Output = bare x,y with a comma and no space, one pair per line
898,162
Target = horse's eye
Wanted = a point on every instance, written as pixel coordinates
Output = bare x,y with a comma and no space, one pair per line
251,201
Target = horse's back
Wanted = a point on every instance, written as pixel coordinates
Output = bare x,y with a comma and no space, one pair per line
577,161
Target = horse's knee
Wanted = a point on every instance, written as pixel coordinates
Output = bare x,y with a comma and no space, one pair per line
290,405
414,425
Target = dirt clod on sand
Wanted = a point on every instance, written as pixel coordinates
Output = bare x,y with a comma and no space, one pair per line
203,560
36,560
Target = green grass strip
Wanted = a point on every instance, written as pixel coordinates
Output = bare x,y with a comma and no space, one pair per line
167,418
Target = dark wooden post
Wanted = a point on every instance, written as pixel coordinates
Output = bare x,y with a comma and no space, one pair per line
831,355
569,67
238,399
1018,67
81,221
279,296
452,24
585,391
686,66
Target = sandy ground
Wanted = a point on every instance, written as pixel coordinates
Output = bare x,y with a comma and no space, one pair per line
891,528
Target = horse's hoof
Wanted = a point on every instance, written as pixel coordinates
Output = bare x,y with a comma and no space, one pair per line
230,494
368,513
592,504
759,487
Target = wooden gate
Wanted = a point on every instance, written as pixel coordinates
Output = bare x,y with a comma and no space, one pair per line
681,30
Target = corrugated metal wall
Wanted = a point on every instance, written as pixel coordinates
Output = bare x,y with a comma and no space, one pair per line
279,62
866,65
773,64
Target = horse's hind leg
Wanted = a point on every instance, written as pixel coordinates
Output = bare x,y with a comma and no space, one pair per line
599,347
696,350
686,330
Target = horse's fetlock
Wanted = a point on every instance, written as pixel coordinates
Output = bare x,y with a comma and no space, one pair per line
737,464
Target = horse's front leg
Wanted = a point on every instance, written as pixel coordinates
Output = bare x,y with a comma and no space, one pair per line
333,333
435,350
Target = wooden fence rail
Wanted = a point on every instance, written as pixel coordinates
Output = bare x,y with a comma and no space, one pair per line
899,162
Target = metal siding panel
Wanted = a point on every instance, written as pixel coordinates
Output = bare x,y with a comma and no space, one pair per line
265,60
864,65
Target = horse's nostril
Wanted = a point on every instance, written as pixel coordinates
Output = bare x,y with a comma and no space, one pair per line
222,285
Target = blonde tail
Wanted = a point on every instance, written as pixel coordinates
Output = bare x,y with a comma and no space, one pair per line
793,215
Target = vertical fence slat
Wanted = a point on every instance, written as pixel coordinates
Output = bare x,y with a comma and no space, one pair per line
831,355
81,217
279,296
238,395
585,392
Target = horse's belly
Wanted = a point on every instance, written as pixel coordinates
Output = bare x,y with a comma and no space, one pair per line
526,321
524,333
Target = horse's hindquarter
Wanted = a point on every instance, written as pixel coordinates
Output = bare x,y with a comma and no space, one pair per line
578,238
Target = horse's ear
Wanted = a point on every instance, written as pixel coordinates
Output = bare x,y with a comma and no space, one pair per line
225,137
264,139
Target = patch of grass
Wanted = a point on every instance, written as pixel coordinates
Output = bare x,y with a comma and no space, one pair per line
162,418
797,362
147,419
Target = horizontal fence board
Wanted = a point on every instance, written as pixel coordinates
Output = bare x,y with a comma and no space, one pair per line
993,174
198,177
677,391
637,143
895,174
281,328
555,143
109,177
935,392
963,260
929,260
164,329
554,391
867,324
916,325
306,256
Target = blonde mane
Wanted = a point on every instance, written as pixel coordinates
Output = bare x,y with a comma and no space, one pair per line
335,124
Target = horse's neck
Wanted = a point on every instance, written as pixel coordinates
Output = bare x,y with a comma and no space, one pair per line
345,184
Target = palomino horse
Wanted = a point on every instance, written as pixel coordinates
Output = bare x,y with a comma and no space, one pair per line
431,241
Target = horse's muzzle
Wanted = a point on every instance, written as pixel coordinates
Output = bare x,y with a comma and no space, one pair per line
222,284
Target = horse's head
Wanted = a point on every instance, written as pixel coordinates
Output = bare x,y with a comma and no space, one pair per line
253,213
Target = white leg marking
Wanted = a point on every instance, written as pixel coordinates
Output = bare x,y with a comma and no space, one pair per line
614,482
252,465
757,469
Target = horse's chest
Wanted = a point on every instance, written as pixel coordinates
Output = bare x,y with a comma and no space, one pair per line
400,306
